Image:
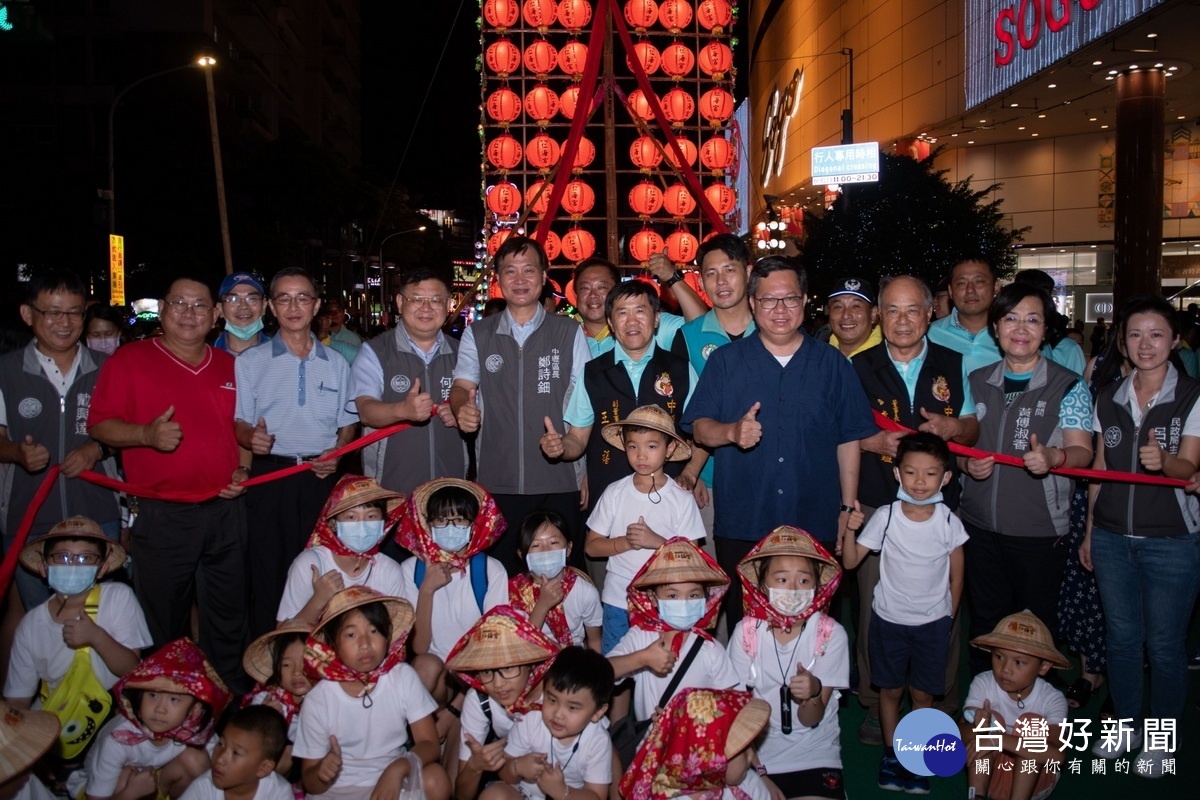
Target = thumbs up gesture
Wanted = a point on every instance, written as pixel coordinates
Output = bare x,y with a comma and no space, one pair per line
418,406
1151,455
641,537
34,457
79,632
551,441
331,764
468,415
658,656
1040,459
162,434
747,431
804,686
327,585
261,442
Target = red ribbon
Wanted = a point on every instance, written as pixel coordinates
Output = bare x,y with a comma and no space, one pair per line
1112,476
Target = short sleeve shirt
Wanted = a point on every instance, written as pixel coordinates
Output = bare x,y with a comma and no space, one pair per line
586,760
383,575
712,669
454,606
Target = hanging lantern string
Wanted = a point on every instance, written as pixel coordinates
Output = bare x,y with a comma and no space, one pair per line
644,128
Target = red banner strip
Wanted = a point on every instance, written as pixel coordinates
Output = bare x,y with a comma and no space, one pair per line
9,566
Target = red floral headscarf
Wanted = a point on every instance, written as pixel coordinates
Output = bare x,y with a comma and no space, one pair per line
643,605
414,534
518,626
178,667
324,535
683,754
321,660
757,604
523,593
282,697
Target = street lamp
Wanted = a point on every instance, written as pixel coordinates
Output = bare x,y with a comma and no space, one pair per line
382,293
204,62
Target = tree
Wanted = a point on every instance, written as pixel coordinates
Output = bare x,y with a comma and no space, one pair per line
912,221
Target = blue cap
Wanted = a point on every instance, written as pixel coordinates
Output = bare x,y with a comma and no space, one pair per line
239,279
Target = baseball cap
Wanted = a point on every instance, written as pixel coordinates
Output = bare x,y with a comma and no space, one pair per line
858,287
239,279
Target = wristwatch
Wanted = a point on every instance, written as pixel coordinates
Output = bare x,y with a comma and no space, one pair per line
675,278
846,508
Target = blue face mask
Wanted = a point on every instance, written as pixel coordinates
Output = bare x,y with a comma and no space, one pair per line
908,498
360,535
71,579
547,562
682,615
246,333
451,538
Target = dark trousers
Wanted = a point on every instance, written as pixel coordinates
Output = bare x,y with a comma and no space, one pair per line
1007,574
281,516
195,552
515,507
730,553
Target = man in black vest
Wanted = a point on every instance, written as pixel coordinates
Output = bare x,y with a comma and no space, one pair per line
922,386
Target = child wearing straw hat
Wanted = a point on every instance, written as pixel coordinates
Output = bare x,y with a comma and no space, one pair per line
503,659
344,549
275,661
796,658
1011,700
357,719
560,600
639,513
24,737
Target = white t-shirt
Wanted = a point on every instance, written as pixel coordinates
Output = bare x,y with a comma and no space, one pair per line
582,608
619,507
774,665
34,790
586,760
272,787
710,670
383,575
1044,700
752,785
475,722
39,653
370,738
454,606
104,762
914,566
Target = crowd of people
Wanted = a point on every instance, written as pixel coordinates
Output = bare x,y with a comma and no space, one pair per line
604,556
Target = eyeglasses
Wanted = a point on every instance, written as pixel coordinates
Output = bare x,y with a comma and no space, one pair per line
182,307
450,521
489,675
1013,320
420,300
243,299
285,300
78,559
791,301
59,316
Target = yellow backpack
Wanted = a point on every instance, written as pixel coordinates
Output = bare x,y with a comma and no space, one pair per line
80,701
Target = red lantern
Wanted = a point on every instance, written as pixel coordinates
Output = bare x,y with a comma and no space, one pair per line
644,244
503,105
647,55
644,153
717,153
542,152
568,100
574,14
682,246
540,14
504,199
689,152
714,15
692,278
503,57
640,105
678,201
716,106
552,245
494,292
675,15
578,199
501,14
645,198
504,152
722,197
585,154
578,245
678,106
539,203
572,58
540,57
641,14
494,242
716,59
678,60
541,103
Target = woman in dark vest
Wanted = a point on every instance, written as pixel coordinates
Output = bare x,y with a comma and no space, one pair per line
1041,412
1144,541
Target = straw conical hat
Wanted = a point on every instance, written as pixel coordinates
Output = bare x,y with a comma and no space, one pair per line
259,659
678,561
24,737
400,610
500,639
1024,633
72,528
652,417
788,541
747,726
358,490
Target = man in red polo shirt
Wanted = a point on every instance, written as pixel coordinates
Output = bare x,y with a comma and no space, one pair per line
168,404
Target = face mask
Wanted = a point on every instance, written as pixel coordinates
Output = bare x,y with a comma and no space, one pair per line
71,579
908,498
104,344
360,535
547,562
246,333
451,538
682,615
790,602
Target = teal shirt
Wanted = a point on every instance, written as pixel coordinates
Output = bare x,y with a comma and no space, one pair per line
580,413
668,325
980,350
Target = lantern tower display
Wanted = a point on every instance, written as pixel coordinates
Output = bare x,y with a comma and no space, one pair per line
652,174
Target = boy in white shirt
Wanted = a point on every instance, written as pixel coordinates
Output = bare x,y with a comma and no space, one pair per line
243,762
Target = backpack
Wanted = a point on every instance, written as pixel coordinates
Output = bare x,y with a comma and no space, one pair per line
476,569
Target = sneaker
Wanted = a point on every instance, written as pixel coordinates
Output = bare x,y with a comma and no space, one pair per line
892,776
916,784
869,732
1149,765
1106,749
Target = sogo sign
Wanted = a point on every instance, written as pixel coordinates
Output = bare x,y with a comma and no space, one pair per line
1011,40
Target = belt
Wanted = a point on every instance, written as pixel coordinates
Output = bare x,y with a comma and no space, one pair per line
286,460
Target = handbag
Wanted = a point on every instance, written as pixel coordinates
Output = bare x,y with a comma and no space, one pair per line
628,733
80,701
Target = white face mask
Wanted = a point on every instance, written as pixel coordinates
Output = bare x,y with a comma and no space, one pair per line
790,602
451,538
104,344
547,563
360,535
